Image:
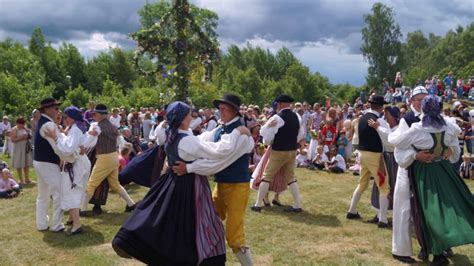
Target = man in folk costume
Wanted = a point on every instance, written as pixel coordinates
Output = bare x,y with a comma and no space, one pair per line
371,162
106,166
230,195
285,131
46,164
401,240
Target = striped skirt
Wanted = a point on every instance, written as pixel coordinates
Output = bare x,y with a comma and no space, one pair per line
277,185
392,168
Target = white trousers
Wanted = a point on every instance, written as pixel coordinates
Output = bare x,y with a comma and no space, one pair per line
401,239
49,186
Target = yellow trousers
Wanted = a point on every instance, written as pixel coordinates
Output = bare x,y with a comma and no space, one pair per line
369,166
230,201
106,166
284,160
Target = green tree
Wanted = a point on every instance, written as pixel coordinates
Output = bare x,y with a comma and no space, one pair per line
381,45
73,63
78,97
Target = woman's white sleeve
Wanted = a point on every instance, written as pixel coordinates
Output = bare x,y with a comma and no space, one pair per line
192,147
69,144
207,167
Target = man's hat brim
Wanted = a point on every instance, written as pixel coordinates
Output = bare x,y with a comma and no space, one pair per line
47,105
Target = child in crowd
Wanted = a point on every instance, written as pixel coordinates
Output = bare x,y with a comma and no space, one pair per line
337,164
329,132
124,155
466,170
341,143
302,157
8,187
320,160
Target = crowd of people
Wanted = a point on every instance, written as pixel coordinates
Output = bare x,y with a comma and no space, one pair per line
405,140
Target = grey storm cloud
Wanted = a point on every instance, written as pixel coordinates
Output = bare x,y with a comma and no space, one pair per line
325,33
69,19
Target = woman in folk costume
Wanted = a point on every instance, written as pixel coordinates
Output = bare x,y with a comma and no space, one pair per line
176,224
70,147
445,202
392,118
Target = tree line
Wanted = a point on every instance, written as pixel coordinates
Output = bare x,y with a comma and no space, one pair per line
30,73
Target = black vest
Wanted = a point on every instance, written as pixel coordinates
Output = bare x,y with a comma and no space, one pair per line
43,151
238,171
286,137
410,118
369,139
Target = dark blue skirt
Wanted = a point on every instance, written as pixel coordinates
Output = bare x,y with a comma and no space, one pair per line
162,229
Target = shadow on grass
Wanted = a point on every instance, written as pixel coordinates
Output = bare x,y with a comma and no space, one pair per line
460,259
305,217
89,237
109,218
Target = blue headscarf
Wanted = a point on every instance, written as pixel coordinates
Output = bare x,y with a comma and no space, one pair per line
431,107
76,114
175,114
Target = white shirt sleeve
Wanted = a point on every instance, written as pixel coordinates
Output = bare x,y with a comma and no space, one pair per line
268,133
404,157
160,134
69,144
191,147
208,135
397,136
207,167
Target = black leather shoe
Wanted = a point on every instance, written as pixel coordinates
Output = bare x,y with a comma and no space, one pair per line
97,210
276,203
256,208
439,260
374,220
267,204
383,225
448,253
130,208
404,259
353,216
423,255
76,232
292,209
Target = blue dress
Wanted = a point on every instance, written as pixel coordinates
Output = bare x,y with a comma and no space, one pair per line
175,224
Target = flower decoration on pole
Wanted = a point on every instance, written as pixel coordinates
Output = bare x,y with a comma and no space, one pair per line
172,44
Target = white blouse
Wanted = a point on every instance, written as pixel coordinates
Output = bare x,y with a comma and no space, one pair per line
420,137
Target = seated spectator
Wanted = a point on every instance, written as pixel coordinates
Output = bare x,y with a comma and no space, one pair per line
320,160
336,163
124,156
8,187
466,170
302,157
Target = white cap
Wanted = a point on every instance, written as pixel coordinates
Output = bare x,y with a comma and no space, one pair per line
418,90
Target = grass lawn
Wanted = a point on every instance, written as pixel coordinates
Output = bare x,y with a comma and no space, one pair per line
320,235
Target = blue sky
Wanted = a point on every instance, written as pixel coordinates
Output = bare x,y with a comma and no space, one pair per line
323,34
